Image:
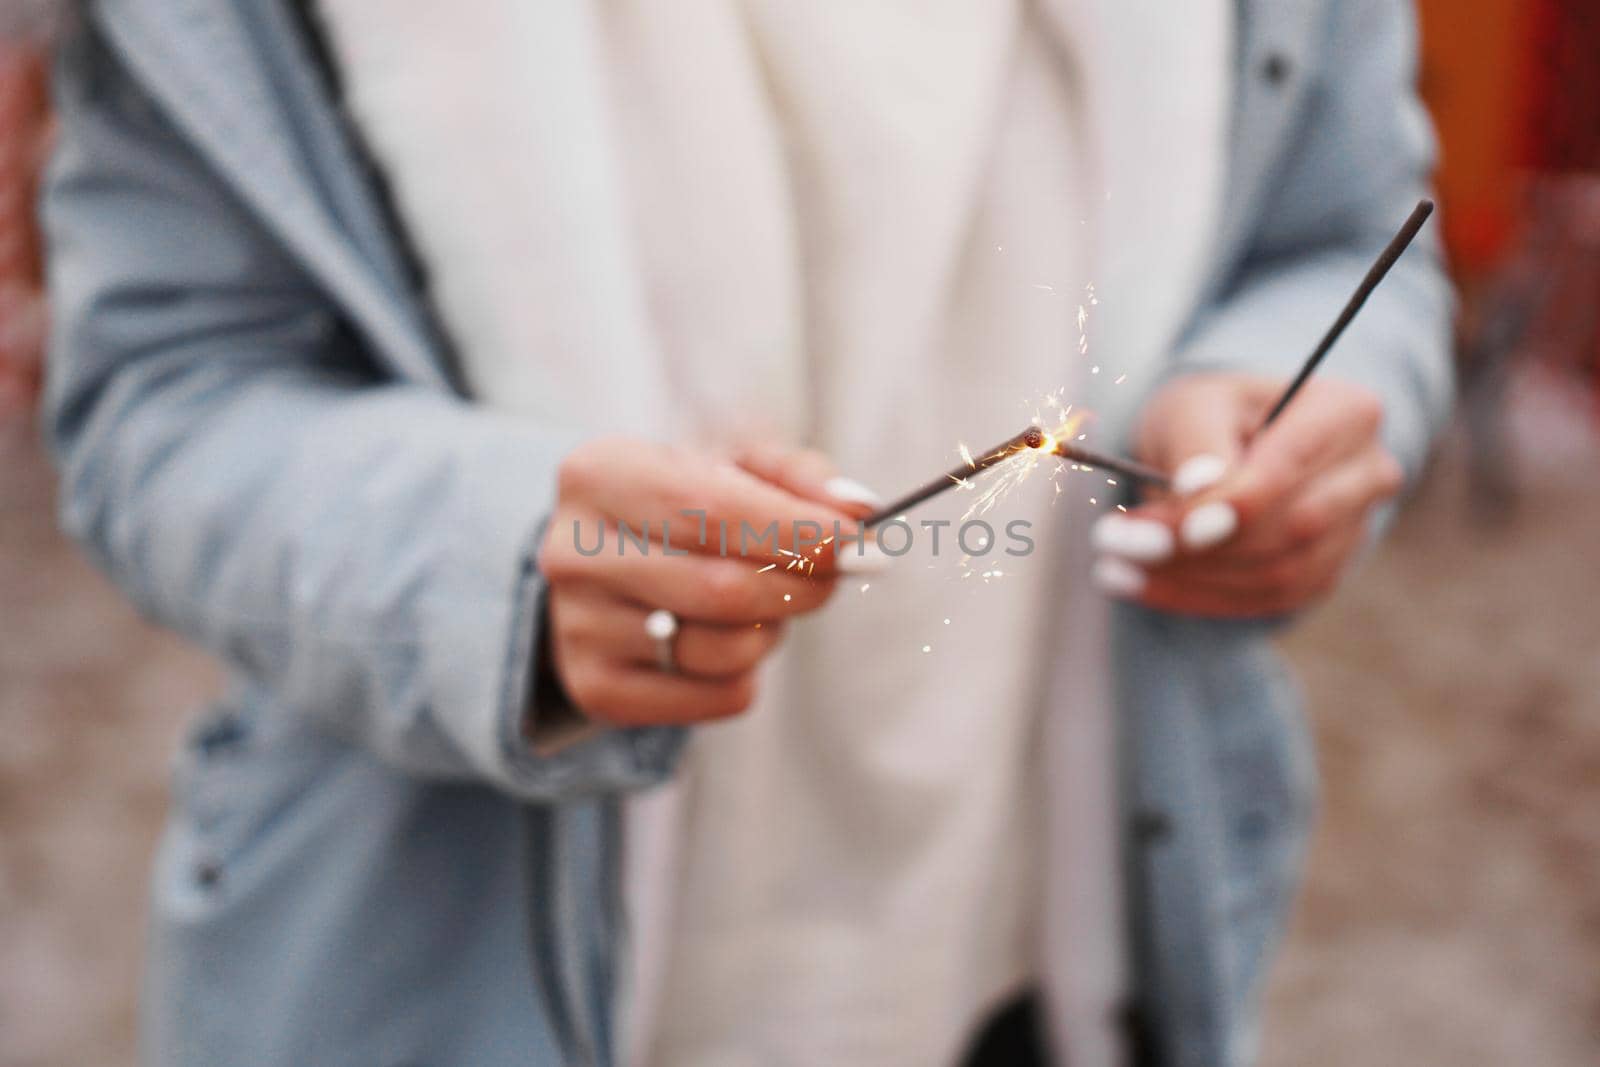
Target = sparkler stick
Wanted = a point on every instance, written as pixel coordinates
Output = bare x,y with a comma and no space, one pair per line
1087,457
1031,438
1037,439
1380,268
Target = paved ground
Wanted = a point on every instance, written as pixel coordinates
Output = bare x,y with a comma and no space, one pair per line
1453,912
91,703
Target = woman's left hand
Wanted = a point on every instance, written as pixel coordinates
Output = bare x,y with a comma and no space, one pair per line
1258,523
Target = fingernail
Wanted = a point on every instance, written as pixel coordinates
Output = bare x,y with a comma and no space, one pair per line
863,559
1137,539
1209,525
851,492
1117,577
1198,472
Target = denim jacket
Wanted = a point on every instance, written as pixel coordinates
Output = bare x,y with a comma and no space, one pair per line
263,441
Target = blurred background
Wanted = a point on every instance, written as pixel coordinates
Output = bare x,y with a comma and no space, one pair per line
1452,914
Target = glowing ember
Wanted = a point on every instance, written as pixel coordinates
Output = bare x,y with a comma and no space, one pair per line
1036,445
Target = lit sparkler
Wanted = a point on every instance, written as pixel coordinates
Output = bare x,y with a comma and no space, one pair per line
1017,457
1013,460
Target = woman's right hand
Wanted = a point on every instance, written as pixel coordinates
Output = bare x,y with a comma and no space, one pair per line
731,607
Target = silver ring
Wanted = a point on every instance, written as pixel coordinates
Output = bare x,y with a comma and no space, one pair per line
661,626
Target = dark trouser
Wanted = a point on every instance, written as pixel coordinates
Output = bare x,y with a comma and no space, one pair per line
1012,1037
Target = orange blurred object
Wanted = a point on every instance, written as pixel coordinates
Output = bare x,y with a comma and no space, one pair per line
24,122
1475,66
1514,87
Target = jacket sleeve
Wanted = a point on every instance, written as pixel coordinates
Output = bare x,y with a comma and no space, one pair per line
361,548
1360,156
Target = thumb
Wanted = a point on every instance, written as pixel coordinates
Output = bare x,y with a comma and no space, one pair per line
1198,438
1197,442
810,475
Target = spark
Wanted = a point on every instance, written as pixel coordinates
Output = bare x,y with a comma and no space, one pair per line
799,561
1051,411
927,648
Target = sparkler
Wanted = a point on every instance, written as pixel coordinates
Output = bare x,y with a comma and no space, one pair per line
1036,441
1128,468
1380,268
1033,439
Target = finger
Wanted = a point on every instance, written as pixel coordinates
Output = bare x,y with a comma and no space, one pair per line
1199,586
700,502
1332,501
1340,500
1199,439
812,475
1342,497
618,692
1307,439
702,588
1196,441
1211,604
583,544
808,474
615,628
1126,581
1304,568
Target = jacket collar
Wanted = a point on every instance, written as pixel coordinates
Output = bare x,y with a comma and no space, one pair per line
208,64
1273,53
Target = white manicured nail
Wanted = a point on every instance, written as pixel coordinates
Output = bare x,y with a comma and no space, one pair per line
1209,525
1137,539
852,492
863,559
1198,472
1117,577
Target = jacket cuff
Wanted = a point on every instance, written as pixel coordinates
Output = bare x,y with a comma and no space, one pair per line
485,637
545,737
1398,346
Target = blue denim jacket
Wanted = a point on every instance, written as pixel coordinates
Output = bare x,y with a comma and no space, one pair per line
262,440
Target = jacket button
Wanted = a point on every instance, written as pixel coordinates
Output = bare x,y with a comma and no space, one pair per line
1252,825
208,873
1150,827
1275,69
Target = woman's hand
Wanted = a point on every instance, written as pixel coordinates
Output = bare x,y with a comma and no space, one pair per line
1259,523
731,612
